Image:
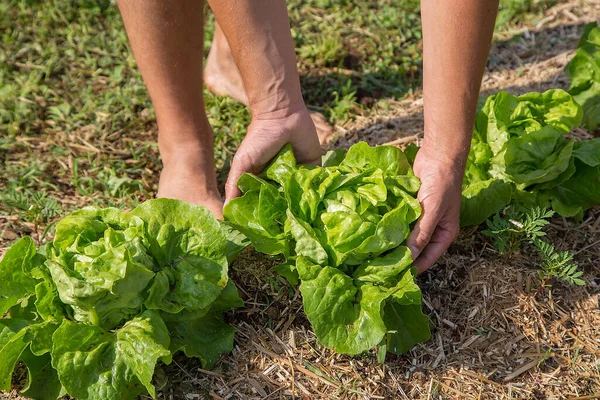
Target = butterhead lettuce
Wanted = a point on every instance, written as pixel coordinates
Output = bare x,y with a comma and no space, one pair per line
520,154
91,313
584,71
341,228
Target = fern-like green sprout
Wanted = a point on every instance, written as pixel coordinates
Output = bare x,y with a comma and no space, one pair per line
33,207
557,264
510,230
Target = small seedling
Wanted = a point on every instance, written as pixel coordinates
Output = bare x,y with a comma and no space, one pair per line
514,228
36,208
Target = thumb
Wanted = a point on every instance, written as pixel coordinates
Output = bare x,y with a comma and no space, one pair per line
241,163
422,233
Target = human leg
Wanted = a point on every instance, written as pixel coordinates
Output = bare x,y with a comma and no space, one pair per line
167,42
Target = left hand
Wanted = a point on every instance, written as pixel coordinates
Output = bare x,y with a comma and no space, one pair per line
267,134
440,194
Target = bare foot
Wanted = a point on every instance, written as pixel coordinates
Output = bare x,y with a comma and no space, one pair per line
324,130
221,75
223,78
186,179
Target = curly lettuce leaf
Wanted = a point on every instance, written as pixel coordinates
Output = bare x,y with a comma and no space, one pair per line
538,157
75,313
347,313
505,116
15,282
100,266
519,150
93,363
187,241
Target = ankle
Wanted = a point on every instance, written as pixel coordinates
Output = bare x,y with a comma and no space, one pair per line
190,167
186,144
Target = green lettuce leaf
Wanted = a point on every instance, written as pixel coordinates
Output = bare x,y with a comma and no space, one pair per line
520,155
15,282
236,241
86,312
588,152
538,157
16,336
42,379
406,326
581,191
206,338
390,160
348,312
481,200
505,116
187,241
307,242
96,364
263,225
100,266
282,167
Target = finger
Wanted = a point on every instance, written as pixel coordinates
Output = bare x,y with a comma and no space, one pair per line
439,243
422,233
307,147
239,165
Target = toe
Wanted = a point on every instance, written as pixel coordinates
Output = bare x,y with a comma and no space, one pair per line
324,129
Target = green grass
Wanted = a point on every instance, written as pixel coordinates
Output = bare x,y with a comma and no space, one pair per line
76,120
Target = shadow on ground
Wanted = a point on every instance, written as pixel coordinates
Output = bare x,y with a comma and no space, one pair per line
529,47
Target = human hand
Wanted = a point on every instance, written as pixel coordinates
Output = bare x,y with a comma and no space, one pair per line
267,134
440,194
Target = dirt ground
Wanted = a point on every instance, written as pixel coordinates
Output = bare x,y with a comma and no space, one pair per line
492,338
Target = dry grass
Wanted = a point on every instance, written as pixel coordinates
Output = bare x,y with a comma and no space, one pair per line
491,338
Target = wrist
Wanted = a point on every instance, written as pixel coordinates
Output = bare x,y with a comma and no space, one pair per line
450,146
452,159
283,120
281,103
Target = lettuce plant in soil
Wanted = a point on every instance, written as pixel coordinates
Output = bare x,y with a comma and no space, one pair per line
520,154
93,312
584,71
341,229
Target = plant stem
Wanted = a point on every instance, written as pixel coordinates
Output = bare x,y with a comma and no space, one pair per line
37,234
542,286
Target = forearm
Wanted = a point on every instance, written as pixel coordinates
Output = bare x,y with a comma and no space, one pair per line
456,41
258,33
